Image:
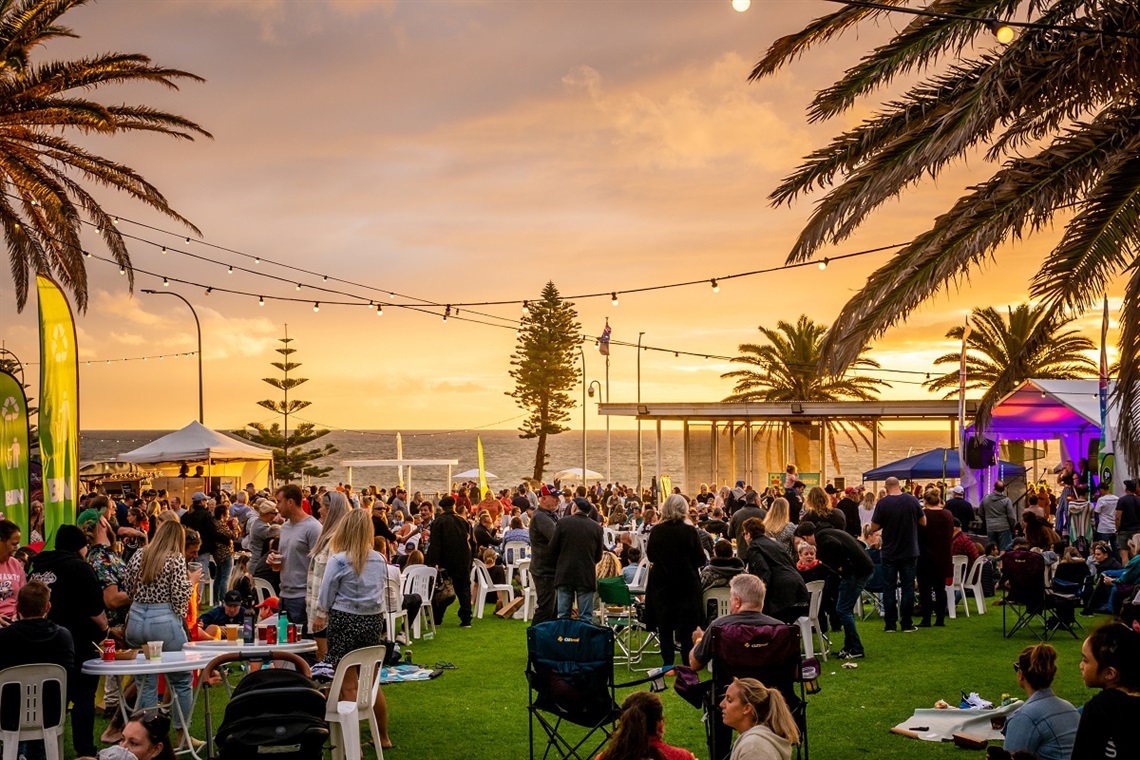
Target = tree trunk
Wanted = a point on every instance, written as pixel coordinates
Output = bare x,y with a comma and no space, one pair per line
540,457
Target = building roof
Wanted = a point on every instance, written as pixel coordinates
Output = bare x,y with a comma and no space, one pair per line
785,410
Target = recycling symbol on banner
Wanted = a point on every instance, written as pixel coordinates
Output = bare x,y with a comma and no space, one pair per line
10,409
60,345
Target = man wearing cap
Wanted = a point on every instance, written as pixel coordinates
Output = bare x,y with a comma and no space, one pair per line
745,509
577,548
265,514
201,519
451,549
229,612
543,560
957,505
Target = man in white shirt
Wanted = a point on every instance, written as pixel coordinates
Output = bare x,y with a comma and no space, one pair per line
1104,517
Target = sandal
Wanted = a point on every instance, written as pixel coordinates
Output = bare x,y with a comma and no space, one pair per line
444,666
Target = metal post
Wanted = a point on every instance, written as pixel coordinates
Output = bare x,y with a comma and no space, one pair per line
582,353
639,460
659,500
609,478
198,325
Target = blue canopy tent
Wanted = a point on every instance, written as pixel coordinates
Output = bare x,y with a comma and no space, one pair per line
936,463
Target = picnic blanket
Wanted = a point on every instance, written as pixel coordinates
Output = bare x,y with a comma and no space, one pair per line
933,725
401,673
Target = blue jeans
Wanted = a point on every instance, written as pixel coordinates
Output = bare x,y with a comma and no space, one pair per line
1003,539
850,591
157,622
565,603
222,577
898,572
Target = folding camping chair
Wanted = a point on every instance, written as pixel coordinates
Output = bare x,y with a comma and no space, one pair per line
621,612
1030,600
771,655
570,675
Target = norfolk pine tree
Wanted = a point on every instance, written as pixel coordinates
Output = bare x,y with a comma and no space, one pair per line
289,458
545,369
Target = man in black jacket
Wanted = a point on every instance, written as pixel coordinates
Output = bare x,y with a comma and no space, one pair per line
543,561
843,554
451,549
202,520
962,510
577,545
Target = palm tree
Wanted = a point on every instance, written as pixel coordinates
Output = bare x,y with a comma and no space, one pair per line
785,369
43,200
1057,108
994,344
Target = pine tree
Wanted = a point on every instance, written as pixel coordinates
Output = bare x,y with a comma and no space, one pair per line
545,369
290,458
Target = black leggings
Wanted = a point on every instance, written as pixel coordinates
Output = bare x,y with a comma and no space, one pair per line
680,632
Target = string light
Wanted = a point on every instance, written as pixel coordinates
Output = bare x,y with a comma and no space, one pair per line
740,6
257,260
87,254
1003,32
614,298
446,313
715,285
298,286
164,250
209,291
231,270
316,306
261,300
823,263
114,220
379,310
526,307
165,282
122,270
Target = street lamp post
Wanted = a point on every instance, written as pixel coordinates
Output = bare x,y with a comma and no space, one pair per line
582,353
590,391
198,325
639,462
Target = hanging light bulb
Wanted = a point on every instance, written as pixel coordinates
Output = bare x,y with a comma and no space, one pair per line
740,6
1003,32
256,259
165,283
114,220
231,270
391,296
187,239
526,307
326,278
209,291
122,270
298,286
164,250
379,310
823,263
261,300
87,254
676,355
316,306
446,313
614,298
715,285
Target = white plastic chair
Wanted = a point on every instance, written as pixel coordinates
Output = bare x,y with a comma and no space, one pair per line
394,611
34,722
810,625
344,717
640,577
973,584
609,537
722,596
481,580
516,552
530,596
262,589
957,585
420,579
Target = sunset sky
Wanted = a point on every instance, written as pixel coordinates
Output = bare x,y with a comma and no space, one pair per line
467,152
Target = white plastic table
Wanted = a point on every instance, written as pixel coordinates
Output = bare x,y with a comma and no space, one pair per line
170,662
210,649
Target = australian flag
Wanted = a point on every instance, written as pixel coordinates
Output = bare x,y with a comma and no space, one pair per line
604,341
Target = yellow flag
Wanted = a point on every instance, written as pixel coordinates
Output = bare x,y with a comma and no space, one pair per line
59,408
482,470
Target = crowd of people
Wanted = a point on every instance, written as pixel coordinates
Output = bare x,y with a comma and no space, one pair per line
131,570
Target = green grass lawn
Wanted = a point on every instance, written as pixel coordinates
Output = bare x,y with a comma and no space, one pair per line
479,710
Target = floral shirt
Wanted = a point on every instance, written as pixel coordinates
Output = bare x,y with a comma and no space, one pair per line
172,585
110,570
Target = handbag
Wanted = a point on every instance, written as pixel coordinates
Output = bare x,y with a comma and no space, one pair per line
690,687
444,591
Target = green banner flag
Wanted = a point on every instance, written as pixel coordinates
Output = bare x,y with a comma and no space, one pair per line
59,408
14,443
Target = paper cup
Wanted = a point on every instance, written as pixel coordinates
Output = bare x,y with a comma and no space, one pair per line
153,650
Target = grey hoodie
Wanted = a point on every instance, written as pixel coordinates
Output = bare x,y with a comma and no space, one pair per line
997,512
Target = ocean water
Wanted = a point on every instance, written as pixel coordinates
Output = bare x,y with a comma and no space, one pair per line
512,458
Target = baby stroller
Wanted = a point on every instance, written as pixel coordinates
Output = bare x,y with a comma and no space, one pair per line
273,712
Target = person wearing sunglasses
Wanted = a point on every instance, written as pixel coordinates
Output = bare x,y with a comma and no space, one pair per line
147,735
1045,725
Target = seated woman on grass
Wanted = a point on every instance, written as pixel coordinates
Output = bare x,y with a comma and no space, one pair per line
1110,661
1045,725
761,716
639,731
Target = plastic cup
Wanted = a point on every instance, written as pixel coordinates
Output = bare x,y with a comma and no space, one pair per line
193,567
231,632
154,650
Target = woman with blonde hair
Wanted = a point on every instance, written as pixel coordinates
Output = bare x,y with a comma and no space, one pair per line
673,590
334,506
353,593
609,566
779,527
761,716
160,588
866,509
